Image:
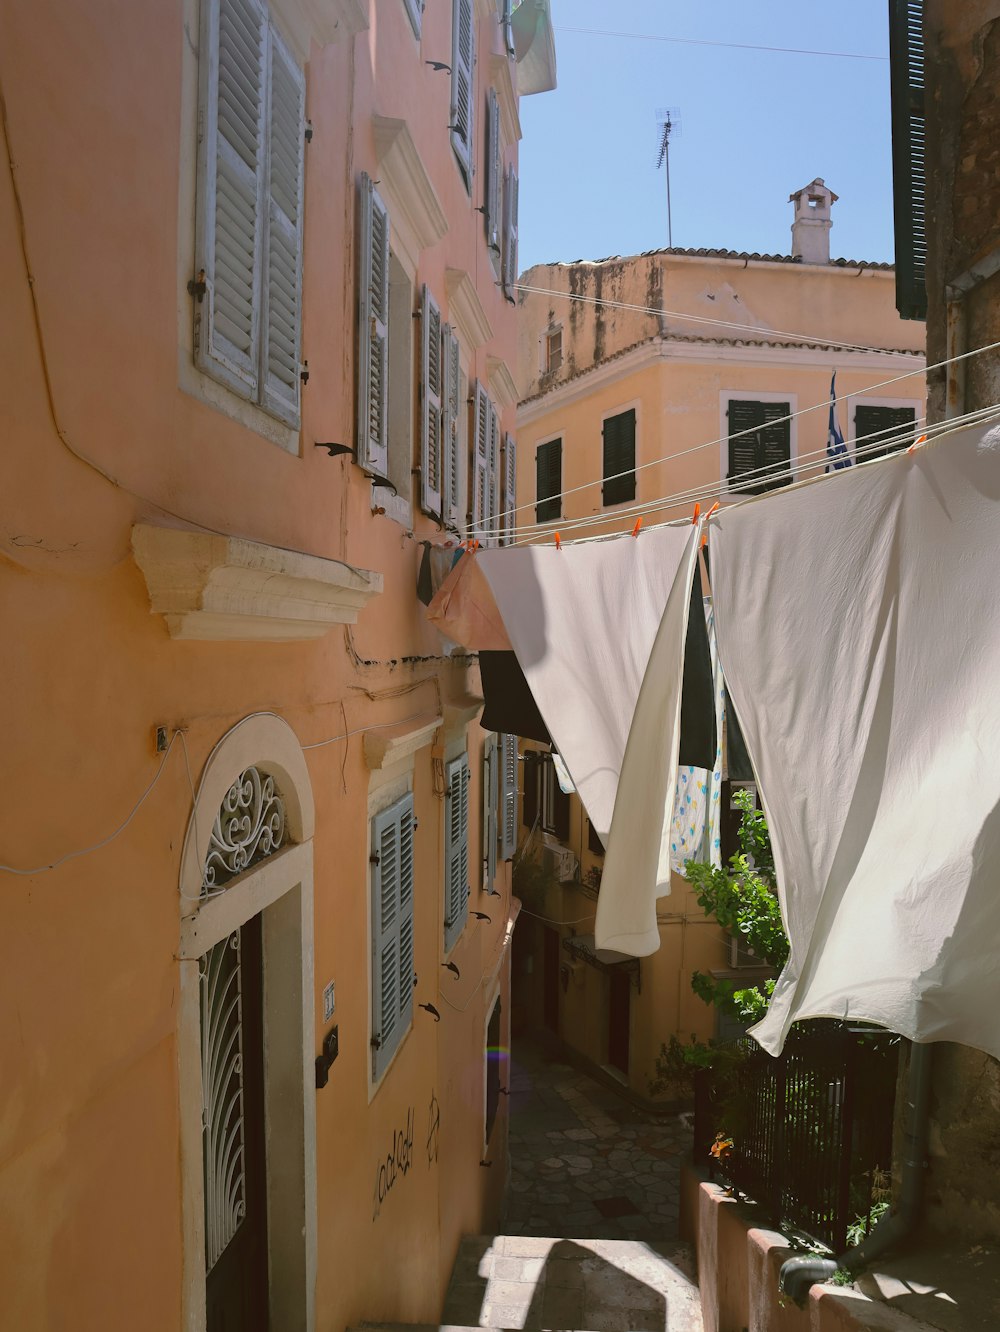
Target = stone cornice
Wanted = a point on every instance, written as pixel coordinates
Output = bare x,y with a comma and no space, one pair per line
465,309
220,588
391,744
414,207
325,21
502,384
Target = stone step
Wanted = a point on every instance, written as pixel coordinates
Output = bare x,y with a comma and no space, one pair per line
519,1281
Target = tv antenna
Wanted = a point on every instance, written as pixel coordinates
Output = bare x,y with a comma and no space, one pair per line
668,120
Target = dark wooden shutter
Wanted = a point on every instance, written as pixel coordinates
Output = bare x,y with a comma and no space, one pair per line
619,458
909,153
494,1054
560,808
594,843
548,481
881,430
530,806
768,445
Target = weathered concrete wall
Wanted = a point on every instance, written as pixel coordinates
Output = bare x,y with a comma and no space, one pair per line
963,143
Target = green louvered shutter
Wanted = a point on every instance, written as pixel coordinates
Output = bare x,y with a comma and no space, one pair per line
760,442
548,481
392,930
619,458
456,850
909,154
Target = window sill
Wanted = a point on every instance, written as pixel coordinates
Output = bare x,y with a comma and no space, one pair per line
198,385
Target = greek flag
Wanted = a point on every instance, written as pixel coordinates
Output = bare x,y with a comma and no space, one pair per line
836,449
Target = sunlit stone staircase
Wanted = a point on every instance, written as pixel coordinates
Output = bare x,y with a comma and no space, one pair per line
579,1285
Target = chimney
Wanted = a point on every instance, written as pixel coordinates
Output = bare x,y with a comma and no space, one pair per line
811,225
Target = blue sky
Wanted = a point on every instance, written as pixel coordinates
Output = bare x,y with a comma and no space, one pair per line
755,125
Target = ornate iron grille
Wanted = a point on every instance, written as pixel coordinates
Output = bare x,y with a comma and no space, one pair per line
222,1083
249,826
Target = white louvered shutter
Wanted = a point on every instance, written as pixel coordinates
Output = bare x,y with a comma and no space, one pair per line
227,329
283,252
451,463
508,502
507,27
431,405
415,9
491,521
494,168
392,930
456,846
480,462
491,800
510,234
373,331
462,82
509,773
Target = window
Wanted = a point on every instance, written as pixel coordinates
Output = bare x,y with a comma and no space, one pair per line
392,930
372,450
415,10
456,849
508,499
510,188
553,350
494,1054
909,166
400,379
485,468
619,458
462,67
548,481
453,430
555,804
879,429
759,445
249,317
491,805
509,783
432,394
494,175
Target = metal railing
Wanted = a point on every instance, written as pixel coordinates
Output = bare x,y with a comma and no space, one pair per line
811,1130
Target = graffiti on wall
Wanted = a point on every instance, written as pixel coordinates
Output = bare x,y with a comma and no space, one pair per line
433,1130
395,1165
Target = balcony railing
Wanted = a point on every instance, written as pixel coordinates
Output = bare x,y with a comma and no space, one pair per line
811,1130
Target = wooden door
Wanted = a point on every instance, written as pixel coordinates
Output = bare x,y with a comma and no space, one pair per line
619,1003
232,1045
550,979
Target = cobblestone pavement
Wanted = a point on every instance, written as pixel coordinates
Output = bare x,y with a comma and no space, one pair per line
586,1163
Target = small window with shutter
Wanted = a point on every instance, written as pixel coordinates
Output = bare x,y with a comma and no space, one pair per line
510,188
431,405
452,472
392,930
760,445
879,429
508,499
485,475
250,201
491,804
463,61
548,481
456,849
619,458
909,154
494,173
509,769
373,331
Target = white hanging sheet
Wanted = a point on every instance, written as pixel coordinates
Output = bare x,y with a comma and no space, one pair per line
637,863
582,620
858,623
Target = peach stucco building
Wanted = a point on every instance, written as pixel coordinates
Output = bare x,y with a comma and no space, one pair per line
633,373
258,342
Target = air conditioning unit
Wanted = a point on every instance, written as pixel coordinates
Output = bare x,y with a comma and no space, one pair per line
559,861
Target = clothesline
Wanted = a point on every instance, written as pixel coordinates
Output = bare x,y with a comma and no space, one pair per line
543,533
498,523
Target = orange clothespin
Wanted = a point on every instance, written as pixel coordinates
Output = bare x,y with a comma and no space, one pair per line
558,542
694,516
916,443
638,524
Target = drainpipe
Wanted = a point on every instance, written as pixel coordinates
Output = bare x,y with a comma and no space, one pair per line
798,1274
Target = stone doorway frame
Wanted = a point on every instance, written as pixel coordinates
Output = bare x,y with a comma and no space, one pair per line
280,889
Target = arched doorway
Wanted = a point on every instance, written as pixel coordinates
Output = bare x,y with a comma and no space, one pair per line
246,1037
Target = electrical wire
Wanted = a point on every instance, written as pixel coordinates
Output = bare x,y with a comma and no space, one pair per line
871,452
764,335
86,851
730,46
498,521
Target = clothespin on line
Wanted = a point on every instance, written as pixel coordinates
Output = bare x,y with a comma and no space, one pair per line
694,516
558,542
472,545
916,444
704,535
638,525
